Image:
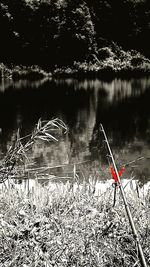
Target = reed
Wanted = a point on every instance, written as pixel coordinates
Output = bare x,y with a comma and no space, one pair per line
17,155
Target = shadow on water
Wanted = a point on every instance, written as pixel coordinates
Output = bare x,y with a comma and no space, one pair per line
122,106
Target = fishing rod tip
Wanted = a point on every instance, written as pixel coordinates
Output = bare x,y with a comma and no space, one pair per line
101,127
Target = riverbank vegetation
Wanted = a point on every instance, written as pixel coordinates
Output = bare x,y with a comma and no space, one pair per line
65,222
79,36
66,225
113,63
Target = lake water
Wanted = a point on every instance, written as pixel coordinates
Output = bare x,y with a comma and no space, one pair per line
122,106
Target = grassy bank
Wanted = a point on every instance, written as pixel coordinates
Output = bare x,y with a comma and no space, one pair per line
107,63
64,226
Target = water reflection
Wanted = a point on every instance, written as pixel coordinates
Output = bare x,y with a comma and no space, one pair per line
121,105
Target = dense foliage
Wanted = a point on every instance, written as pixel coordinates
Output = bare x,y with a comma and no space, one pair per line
68,226
52,32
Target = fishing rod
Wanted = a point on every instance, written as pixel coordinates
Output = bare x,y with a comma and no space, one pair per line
135,234
133,161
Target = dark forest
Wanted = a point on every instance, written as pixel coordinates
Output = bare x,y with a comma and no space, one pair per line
50,32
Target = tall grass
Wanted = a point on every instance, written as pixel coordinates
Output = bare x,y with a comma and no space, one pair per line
66,224
69,225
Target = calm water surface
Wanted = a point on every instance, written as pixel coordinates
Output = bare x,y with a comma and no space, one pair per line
122,106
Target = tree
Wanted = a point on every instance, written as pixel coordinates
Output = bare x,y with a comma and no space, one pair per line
76,32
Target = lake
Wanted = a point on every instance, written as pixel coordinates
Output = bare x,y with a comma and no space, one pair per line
121,105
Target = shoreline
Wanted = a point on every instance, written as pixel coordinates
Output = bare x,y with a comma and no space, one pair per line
106,65
85,70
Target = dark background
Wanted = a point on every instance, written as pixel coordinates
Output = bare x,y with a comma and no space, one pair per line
60,32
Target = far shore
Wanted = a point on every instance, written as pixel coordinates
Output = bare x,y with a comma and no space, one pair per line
107,64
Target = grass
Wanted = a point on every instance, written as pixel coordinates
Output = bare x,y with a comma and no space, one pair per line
66,225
